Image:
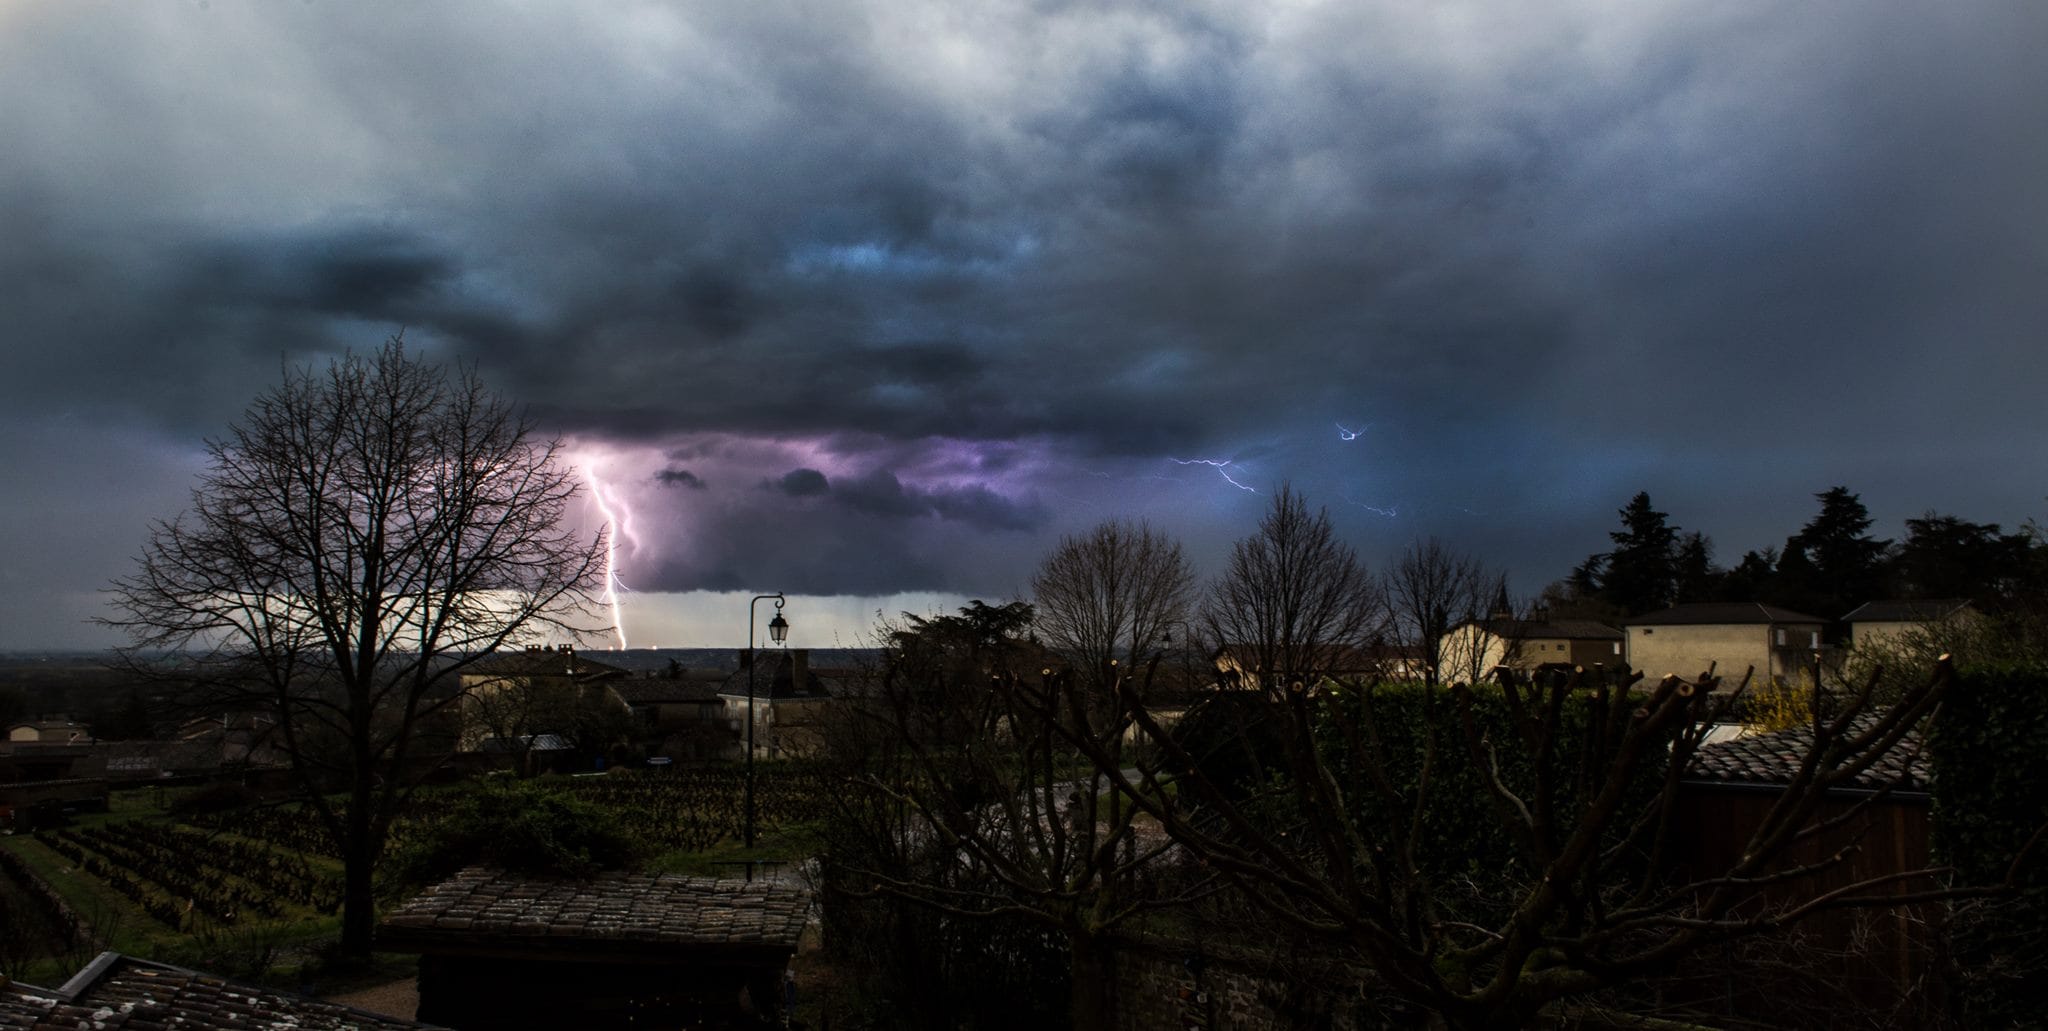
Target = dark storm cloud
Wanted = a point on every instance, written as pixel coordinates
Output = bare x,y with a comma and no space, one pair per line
801,483
1731,254
880,494
679,478
358,271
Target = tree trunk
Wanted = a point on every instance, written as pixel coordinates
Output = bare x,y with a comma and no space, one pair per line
358,857
1091,989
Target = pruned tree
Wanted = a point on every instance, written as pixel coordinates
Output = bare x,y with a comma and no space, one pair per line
1295,604
362,535
1562,790
1106,598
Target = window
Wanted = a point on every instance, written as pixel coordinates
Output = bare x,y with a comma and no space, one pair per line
1781,637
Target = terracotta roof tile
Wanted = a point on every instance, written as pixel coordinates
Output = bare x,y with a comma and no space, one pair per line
1775,758
120,993
670,908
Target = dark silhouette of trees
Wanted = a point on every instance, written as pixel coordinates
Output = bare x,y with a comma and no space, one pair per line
1433,589
1294,604
1110,595
361,536
976,803
1832,564
1641,573
1946,557
1385,799
1694,577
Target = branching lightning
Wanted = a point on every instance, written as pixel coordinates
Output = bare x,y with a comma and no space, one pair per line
1390,513
1350,434
1221,468
618,522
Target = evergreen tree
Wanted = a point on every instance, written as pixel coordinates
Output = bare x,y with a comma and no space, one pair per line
1847,563
1946,557
1753,579
1696,579
1642,570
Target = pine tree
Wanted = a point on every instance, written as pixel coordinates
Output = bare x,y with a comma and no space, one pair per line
1642,570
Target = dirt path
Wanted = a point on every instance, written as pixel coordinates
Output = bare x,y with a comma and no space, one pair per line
399,999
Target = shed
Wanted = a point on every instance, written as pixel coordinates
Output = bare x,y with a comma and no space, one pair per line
501,949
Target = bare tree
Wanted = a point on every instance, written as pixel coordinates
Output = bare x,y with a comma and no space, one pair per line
1432,592
362,536
1109,595
1295,605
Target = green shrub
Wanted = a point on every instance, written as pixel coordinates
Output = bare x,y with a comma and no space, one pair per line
523,826
1989,748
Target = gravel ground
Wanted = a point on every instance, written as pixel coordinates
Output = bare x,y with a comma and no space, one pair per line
398,999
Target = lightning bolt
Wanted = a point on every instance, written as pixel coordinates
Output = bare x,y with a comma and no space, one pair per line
1220,467
1350,434
1390,513
617,519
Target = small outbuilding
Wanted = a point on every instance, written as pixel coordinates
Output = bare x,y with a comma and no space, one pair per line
501,949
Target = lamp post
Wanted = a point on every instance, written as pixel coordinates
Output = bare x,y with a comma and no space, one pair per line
778,630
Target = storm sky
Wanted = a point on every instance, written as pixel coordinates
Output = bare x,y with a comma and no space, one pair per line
859,300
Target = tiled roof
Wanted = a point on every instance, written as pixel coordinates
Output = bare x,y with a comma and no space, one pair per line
1775,758
643,911
1901,611
775,678
116,992
1723,612
1568,629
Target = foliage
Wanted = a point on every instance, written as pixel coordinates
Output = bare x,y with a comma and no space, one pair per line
1946,557
521,826
1990,753
1832,564
1777,704
1641,573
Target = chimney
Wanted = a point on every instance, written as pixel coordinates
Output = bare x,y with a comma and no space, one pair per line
799,670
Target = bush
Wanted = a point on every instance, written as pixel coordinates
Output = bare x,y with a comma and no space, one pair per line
522,826
1989,747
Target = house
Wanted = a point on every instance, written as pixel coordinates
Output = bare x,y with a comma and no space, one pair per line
116,991
789,702
1880,623
53,731
1727,637
680,715
614,950
1475,647
539,690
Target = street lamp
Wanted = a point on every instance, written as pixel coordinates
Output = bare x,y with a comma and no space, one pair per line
778,630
